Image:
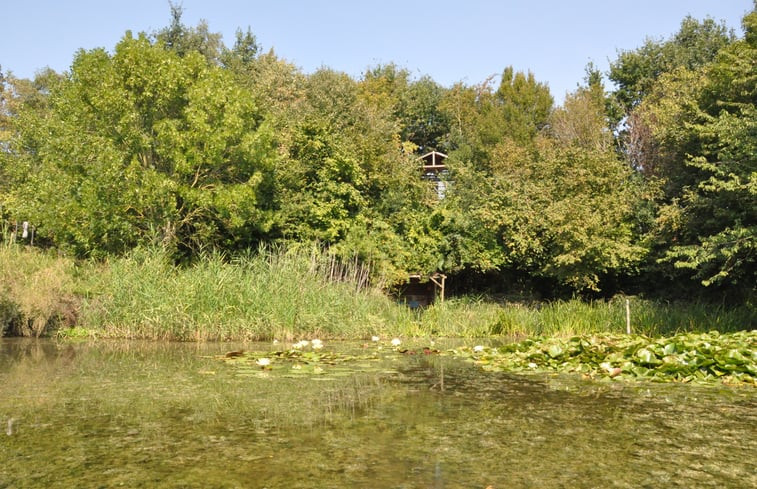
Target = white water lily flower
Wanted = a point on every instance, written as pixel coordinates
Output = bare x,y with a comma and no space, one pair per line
478,348
317,344
375,338
263,362
396,342
300,344
275,341
532,365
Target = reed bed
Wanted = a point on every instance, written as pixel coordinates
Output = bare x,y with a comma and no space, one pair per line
648,317
273,294
294,294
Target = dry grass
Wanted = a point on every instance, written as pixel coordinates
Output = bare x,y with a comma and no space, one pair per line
35,291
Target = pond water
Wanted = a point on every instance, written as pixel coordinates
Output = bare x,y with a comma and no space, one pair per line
126,414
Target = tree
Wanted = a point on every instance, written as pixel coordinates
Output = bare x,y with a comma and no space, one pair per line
694,45
141,143
558,205
184,40
481,117
413,104
716,223
582,119
524,104
321,193
563,212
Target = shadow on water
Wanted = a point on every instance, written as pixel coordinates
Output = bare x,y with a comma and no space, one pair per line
131,414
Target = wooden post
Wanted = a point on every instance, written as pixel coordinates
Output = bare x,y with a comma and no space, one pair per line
628,316
440,285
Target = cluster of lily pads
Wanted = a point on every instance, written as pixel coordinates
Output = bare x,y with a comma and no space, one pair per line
308,357
690,357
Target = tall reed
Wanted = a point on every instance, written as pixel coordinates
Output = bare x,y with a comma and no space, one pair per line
291,294
650,317
270,294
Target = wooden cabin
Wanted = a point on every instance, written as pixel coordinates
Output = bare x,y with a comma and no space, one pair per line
422,291
434,170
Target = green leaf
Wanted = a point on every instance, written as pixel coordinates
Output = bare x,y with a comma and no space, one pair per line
555,351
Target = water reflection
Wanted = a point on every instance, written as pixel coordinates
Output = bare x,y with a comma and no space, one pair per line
169,415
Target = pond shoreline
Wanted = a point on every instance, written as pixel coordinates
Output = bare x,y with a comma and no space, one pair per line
287,295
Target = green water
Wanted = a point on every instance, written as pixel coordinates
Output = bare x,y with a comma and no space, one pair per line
126,414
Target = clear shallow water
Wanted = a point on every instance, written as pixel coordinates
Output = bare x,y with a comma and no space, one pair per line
125,414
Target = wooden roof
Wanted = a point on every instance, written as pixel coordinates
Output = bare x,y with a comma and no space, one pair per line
433,160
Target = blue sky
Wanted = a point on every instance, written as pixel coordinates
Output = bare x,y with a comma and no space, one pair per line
451,41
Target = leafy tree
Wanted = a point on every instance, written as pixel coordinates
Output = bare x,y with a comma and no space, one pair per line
480,117
694,45
345,180
423,122
321,194
524,104
245,51
142,143
560,207
18,93
582,120
703,124
413,104
184,40
562,212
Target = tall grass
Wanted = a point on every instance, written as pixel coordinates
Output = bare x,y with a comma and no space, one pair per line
649,317
271,294
293,294
35,290
466,317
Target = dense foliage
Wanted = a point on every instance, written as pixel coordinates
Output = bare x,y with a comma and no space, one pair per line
174,138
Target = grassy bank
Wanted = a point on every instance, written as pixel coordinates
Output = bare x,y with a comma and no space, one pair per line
289,295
